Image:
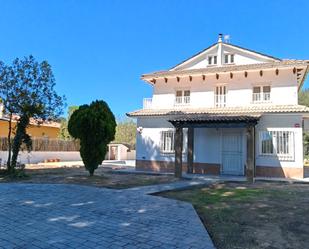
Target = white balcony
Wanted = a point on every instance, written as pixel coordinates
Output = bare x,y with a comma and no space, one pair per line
258,98
147,103
220,100
182,100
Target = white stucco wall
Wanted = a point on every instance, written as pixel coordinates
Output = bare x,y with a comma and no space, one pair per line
40,156
286,122
207,141
239,89
148,141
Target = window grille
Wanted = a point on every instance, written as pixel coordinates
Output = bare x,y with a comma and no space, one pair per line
278,143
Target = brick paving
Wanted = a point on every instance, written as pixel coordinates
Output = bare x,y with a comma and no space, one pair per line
71,216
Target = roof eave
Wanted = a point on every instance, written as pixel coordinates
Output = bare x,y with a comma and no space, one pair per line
226,69
304,77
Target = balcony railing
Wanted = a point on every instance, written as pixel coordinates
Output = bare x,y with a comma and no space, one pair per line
220,100
182,100
147,103
261,97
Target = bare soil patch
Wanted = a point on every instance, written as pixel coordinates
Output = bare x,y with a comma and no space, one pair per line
104,177
262,215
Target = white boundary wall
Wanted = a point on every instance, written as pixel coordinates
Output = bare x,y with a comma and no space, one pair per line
40,156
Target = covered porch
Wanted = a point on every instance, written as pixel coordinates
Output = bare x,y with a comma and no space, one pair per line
237,157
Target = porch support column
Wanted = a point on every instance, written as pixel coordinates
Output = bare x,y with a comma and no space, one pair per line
190,150
250,165
178,151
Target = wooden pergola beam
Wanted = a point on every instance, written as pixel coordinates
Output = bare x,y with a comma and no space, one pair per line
190,150
178,151
250,164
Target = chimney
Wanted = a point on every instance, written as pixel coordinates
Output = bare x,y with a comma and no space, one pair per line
219,51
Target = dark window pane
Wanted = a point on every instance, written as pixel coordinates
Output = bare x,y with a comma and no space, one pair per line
226,58
266,89
232,58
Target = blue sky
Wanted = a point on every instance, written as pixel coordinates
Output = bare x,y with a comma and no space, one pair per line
99,49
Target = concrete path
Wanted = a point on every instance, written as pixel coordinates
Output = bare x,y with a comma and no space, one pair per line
152,189
72,216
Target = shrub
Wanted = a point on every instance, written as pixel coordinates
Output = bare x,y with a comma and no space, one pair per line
94,125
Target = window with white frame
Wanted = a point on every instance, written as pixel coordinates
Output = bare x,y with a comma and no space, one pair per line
212,60
228,58
261,94
167,141
277,143
182,97
220,96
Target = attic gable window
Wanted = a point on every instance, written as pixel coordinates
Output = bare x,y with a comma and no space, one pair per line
212,60
229,58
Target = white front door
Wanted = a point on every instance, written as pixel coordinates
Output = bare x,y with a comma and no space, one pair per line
232,154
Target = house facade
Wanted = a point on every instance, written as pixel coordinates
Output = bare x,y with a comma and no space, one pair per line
226,110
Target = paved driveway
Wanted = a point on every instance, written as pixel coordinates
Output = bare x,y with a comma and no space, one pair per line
72,216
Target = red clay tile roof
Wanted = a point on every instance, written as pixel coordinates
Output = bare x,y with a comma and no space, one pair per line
35,122
258,110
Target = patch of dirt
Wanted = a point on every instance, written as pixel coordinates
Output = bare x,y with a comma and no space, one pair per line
104,177
263,215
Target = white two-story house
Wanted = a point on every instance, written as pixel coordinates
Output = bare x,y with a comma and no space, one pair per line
226,110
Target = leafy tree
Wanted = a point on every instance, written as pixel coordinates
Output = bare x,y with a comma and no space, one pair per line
303,97
94,125
27,90
64,133
126,132
7,96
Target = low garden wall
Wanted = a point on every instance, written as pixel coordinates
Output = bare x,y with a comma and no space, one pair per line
44,149
41,156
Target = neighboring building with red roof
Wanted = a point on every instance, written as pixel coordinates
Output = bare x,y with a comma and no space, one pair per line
46,129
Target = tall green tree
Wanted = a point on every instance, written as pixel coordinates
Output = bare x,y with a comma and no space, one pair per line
303,97
94,125
27,88
126,132
7,96
64,133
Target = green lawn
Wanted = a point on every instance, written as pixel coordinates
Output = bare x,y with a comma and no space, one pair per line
262,215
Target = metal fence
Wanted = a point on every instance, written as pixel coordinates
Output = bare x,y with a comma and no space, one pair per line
45,144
